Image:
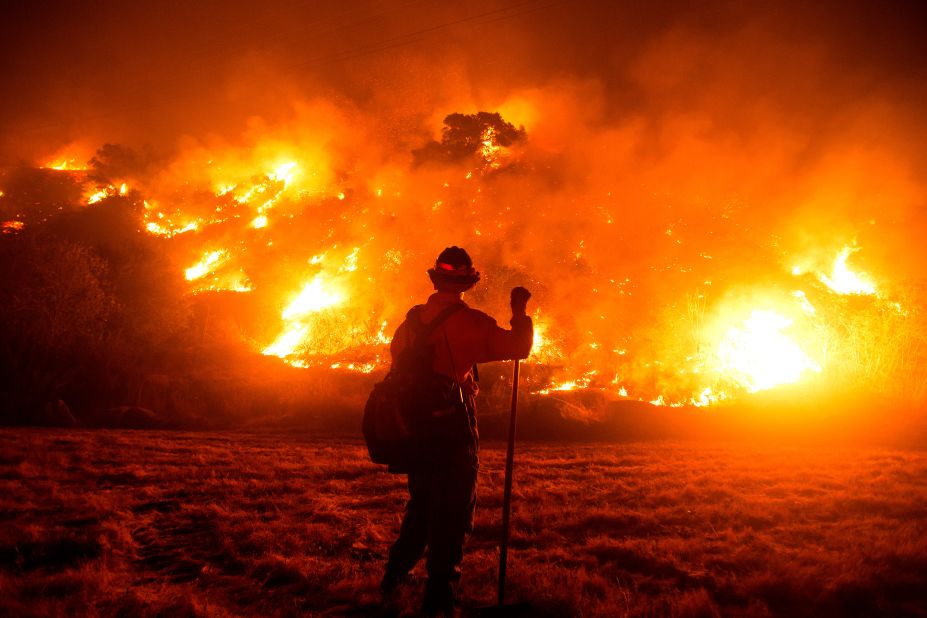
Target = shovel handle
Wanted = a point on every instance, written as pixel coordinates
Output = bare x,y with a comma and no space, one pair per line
507,496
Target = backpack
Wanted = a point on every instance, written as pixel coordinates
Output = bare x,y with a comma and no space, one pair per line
413,410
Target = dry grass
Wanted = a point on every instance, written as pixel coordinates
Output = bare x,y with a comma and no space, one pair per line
172,524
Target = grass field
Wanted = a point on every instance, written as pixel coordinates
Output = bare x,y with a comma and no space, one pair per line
162,523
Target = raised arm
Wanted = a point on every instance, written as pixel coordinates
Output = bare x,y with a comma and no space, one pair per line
512,344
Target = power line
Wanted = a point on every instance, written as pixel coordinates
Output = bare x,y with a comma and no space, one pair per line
410,38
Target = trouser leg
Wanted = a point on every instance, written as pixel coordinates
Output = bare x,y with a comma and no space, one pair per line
413,534
450,515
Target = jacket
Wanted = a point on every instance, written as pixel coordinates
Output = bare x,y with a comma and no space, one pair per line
472,337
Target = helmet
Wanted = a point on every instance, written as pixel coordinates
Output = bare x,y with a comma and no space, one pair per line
453,271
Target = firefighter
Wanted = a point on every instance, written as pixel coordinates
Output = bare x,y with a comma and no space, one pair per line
442,487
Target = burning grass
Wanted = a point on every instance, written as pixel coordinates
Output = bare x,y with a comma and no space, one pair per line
142,523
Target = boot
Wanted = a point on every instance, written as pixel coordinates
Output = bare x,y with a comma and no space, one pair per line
390,584
440,599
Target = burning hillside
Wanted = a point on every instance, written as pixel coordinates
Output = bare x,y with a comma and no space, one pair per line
705,311
692,235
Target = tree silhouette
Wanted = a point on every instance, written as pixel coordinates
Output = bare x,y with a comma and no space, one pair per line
55,310
149,328
90,306
113,162
465,136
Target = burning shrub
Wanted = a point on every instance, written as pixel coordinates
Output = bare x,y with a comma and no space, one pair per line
113,163
484,137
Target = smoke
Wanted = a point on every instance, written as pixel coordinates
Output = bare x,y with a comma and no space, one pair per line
676,158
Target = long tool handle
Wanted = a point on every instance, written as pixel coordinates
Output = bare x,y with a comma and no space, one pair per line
507,496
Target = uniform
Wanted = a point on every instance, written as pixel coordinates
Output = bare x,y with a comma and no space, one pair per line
442,491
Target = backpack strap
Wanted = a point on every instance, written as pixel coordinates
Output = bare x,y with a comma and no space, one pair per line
430,327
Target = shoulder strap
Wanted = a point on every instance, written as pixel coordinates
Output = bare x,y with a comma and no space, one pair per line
429,328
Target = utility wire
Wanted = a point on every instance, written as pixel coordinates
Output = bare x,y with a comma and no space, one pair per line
410,38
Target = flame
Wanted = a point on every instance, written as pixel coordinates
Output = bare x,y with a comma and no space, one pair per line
210,262
584,381
381,337
490,149
70,157
313,298
358,367
288,342
539,341
350,262
9,227
266,189
803,301
569,385
843,280
317,295
271,185
544,350
706,397
159,224
355,224
153,227
759,356
232,282
97,194
284,173
65,164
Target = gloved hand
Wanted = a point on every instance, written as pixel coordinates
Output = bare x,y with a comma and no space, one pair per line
519,301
